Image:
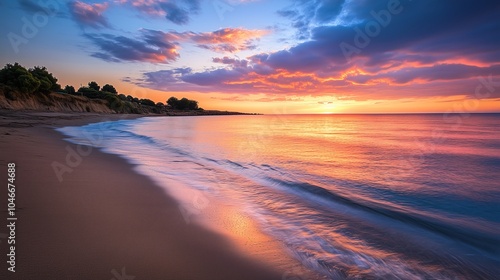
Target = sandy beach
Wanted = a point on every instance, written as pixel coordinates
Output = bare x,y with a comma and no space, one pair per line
103,221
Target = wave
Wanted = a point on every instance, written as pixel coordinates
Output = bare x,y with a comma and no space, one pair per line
485,242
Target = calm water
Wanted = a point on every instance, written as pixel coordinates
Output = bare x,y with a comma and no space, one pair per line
349,196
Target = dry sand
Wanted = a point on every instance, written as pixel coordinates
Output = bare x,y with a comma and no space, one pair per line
103,221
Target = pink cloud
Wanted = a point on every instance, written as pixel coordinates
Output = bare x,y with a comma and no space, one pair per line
89,14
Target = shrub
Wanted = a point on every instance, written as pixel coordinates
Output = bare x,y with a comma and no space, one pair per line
47,80
18,78
147,102
109,88
93,85
69,89
183,104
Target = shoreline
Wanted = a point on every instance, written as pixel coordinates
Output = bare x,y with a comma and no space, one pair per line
103,219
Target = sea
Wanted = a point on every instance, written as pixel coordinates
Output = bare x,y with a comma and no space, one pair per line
345,196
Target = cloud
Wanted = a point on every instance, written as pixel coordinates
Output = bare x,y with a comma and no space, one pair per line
446,72
228,39
176,11
307,13
115,48
223,40
89,14
51,8
162,47
430,48
230,61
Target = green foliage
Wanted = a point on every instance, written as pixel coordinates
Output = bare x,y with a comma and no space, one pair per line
47,81
147,102
89,92
18,77
122,97
109,88
69,89
183,104
114,101
28,80
28,83
93,85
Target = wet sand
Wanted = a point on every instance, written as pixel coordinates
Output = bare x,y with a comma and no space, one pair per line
103,221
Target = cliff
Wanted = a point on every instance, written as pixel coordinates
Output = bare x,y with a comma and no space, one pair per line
52,102
61,102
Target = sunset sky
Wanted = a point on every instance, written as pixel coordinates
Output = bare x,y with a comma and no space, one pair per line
279,56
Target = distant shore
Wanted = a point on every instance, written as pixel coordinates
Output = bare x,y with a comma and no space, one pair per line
103,219
67,103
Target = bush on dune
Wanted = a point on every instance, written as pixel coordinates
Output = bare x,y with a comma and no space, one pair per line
36,79
182,104
16,80
47,80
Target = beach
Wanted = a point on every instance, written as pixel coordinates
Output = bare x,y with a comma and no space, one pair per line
103,220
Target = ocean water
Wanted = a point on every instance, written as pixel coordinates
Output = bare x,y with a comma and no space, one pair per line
347,196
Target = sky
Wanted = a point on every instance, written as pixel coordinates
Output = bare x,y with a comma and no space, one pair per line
263,56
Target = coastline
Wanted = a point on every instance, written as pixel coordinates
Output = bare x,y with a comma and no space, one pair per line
103,220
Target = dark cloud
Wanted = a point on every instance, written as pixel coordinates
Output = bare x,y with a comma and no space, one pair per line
176,11
119,48
231,61
426,48
430,73
424,28
307,13
162,47
211,78
51,8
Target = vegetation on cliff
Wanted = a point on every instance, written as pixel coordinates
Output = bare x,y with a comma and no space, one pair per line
37,89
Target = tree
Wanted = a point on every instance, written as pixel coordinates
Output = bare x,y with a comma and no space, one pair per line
28,83
18,77
69,89
47,81
173,101
93,85
183,104
109,88
186,104
147,102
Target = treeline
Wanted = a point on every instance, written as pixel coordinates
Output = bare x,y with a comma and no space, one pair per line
36,79
39,80
182,104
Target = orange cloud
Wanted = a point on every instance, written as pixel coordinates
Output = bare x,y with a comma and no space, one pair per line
228,39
